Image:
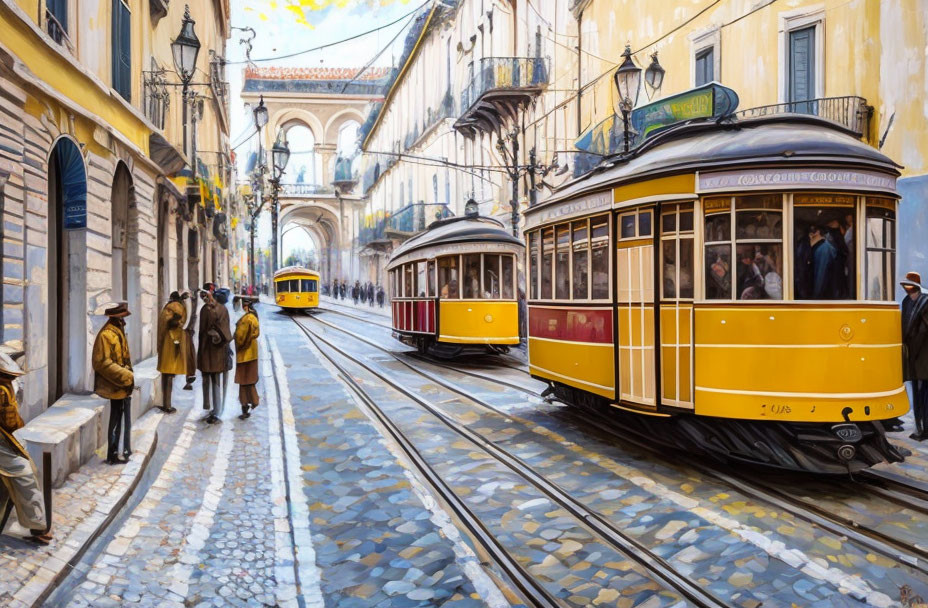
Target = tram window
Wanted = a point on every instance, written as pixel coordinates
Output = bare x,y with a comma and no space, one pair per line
294,285
686,267
718,272
759,247
581,245
669,223
628,226
677,251
718,227
826,251
283,286
533,265
669,256
547,262
881,249
599,257
448,276
409,280
420,279
508,277
472,275
307,285
644,223
431,278
491,276
686,220
562,269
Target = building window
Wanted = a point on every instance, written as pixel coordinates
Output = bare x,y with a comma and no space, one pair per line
56,19
880,281
705,67
122,50
802,67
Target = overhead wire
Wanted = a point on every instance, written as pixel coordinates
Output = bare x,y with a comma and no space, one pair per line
378,54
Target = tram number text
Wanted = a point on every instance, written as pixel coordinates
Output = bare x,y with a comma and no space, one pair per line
778,409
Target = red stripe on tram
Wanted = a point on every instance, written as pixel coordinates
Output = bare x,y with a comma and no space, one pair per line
572,325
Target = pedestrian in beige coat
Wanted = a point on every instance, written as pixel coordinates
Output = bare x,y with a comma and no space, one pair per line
114,380
172,347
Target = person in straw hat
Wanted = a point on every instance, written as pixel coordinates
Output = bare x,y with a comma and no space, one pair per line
114,379
915,349
172,346
17,470
247,331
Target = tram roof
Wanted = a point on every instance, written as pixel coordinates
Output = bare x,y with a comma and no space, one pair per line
457,230
780,140
288,270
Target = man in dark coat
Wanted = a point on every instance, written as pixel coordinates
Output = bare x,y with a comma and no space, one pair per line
381,295
212,353
915,350
341,290
827,272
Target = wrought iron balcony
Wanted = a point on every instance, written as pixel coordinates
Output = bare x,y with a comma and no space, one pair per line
155,95
500,87
346,178
414,218
57,30
849,112
305,189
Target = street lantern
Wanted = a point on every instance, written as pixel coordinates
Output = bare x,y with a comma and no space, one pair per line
628,82
261,115
654,75
280,155
185,48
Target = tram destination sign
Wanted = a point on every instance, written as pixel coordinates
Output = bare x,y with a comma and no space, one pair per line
761,179
579,206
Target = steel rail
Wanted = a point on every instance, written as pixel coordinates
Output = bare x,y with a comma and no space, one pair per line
661,570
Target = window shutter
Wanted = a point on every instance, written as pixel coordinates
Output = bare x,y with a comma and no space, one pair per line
705,66
802,64
122,51
58,8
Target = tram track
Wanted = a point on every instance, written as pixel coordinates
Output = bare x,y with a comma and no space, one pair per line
657,567
908,495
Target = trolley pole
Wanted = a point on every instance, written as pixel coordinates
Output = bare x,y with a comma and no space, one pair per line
275,211
514,175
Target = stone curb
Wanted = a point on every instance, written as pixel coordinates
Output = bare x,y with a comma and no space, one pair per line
58,565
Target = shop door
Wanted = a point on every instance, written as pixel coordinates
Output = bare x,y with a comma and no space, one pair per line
636,302
676,304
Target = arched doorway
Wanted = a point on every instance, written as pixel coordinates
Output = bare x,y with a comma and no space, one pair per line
305,165
66,325
125,267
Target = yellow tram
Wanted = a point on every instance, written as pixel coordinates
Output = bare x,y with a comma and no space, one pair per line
454,287
730,289
296,288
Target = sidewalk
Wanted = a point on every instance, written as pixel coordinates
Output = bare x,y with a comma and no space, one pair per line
82,507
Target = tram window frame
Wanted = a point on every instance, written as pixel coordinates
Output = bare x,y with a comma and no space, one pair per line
638,223
533,260
282,283
562,288
820,202
584,247
547,294
766,205
603,244
508,288
421,279
431,278
464,271
723,208
674,233
306,285
487,267
454,275
409,281
885,209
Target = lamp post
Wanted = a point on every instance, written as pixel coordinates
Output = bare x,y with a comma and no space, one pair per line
512,168
185,49
280,155
627,81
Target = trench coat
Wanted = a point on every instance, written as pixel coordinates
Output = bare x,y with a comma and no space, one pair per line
212,358
172,339
247,331
112,366
17,470
915,341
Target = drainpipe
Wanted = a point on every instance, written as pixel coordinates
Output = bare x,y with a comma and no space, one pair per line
579,70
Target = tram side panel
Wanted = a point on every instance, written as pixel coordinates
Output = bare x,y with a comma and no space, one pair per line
478,322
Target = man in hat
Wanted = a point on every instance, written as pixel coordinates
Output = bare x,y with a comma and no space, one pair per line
915,350
247,331
17,470
114,380
172,346
215,335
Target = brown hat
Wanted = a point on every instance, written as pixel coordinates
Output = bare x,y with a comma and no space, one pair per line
117,310
912,279
244,299
9,372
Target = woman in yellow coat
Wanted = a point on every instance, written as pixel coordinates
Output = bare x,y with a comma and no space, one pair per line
172,346
247,331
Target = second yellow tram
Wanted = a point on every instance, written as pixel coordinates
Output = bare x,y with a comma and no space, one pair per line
296,288
730,290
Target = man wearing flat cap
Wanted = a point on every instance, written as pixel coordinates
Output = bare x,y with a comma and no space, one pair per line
17,470
114,380
915,350
247,331
172,346
215,336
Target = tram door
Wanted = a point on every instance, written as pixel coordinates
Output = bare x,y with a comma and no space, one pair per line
676,304
635,297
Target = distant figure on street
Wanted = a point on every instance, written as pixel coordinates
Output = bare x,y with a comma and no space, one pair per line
356,292
342,289
17,470
247,331
172,347
915,350
381,295
114,379
370,294
215,335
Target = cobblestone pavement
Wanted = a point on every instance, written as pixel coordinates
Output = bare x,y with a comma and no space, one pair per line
81,506
730,541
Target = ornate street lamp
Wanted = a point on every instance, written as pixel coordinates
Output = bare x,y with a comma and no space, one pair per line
280,155
628,82
260,115
186,48
654,75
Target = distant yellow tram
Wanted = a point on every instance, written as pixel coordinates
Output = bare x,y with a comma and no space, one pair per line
730,289
296,288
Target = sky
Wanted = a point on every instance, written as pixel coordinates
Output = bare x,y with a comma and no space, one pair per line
289,26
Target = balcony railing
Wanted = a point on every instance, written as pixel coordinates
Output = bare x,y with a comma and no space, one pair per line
156,96
218,83
504,83
850,112
56,30
414,218
305,189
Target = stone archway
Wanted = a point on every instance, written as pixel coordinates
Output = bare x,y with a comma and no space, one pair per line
125,258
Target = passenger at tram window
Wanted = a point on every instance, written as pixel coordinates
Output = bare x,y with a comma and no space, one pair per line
825,267
686,268
472,276
750,278
448,276
670,268
718,272
507,277
491,276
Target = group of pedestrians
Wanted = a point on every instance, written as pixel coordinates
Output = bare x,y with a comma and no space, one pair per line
359,293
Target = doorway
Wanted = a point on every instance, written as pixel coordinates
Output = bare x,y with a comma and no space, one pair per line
125,266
